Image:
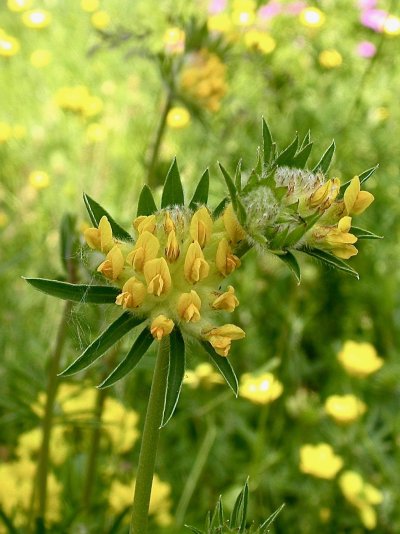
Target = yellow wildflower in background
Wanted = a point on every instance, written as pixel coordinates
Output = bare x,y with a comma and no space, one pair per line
243,12
78,99
312,17
120,498
29,445
330,59
174,40
344,408
39,179
178,117
320,461
260,388
391,25
5,131
204,376
40,58
100,20
359,359
120,425
90,5
19,5
220,22
361,495
37,19
9,46
170,274
258,40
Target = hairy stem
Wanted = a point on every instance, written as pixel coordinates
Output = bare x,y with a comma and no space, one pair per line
150,436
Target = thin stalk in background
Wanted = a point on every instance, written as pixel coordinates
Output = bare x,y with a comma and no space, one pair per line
195,473
150,436
156,145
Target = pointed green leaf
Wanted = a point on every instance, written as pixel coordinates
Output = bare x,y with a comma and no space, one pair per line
230,184
306,140
325,161
176,373
267,142
76,292
290,260
194,529
300,159
107,339
138,350
268,522
96,212
146,204
241,211
242,528
201,194
217,520
224,367
360,233
331,260
238,176
286,156
235,518
220,208
173,191
363,177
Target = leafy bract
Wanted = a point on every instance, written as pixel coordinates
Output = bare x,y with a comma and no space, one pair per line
96,212
75,292
173,191
224,367
176,373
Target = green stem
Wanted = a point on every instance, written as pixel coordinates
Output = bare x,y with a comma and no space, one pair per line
259,443
93,450
151,181
44,453
195,473
148,448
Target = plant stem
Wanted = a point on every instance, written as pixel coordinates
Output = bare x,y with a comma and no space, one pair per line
259,443
148,448
157,140
195,473
52,385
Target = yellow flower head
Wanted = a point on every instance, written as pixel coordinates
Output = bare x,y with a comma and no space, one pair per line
320,461
204,375
178,117
312,17
359,359
201,226
330,59
361,495
39,179
222,337
355,200
161,326
189,306
100,20
37,19
258,40
260,389
344,408
133,294
9,46
226,301
40,58
113,265
100,238
391,26
19,5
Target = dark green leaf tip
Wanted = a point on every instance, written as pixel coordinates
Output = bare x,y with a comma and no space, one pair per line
173,191
146,204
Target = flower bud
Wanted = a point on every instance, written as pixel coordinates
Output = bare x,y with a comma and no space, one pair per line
161,326
113,265
201,226
221,337
189,305
133,294
196,268
158,277
226,301
145,223
145,249
100,238
225,261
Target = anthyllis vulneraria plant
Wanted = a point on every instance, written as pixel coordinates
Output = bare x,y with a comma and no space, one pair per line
171,276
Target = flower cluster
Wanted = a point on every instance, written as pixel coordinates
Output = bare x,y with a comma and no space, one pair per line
359,359
362,496
320,461
263,388
79,100
344,409
9,45
173,271
203,79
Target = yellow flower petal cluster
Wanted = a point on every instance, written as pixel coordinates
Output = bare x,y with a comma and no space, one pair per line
330,59
120,498
174,40
344,408
312,17
173,272
359,359
37,19
9,45
320,461
100,20
16,489
120,425
39,179
362,495
260,388
79,100
29,445
203,79
355,200
204,376
178,117
260,41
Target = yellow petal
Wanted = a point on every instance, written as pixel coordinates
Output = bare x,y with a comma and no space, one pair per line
106,239
227,301
133,294
113,265
344,224
189,305
233,229
145,249
157,276
172,248
161,326
168,223
351,194
201,226
345,252
363,201
225,261
195,268
145,222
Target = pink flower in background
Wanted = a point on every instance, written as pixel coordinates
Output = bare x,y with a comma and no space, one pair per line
270,10
374,19
366,4
366,49
295,8
216,6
